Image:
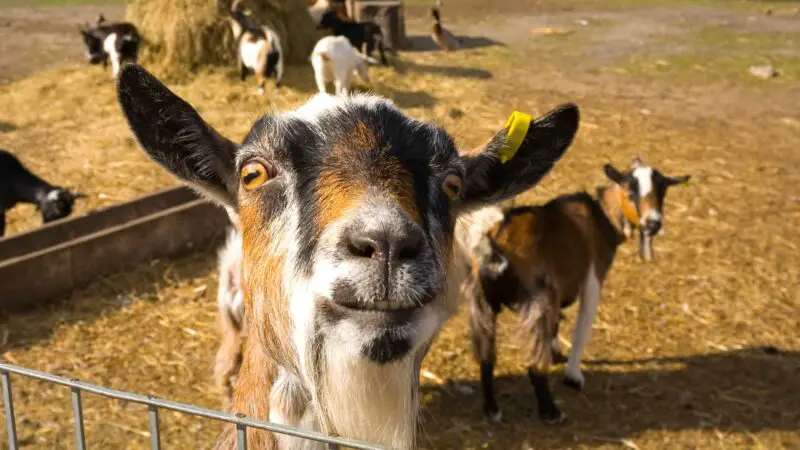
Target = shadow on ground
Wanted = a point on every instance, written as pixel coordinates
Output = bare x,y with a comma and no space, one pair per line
5,127
743,391
424,43
404,66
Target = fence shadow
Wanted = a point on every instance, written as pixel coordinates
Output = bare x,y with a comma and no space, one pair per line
424,43
743,391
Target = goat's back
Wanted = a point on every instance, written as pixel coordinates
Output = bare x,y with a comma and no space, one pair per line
557,241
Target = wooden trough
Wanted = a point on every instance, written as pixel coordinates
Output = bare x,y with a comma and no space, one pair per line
56,258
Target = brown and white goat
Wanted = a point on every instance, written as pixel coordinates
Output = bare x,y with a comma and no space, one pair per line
537,260
347,210
638,196
258,47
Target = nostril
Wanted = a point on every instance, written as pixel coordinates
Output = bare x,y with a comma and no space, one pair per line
410,247
362,246
409,252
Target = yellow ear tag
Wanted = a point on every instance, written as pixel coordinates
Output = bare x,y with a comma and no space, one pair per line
517,124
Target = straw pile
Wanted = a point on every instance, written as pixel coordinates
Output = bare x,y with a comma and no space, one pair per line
182,35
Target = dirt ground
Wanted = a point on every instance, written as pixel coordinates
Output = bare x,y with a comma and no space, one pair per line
683,353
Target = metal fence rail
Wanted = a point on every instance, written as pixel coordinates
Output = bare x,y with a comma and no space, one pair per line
153,404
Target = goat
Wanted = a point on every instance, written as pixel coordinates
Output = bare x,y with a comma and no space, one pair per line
259,47
347,209
441,36
316,9
364,36
639,199
231,314
19,185
118,42
334,58
536,260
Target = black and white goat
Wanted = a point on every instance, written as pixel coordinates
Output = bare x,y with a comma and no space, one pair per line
258,47
537,260
117,42
19,185
365,36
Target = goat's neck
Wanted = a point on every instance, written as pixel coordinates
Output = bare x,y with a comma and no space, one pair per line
613,201
35,191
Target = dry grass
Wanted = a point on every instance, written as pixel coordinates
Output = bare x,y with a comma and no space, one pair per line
677,358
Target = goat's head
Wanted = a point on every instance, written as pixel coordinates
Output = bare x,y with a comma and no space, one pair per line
643,189
240,19
93,44
347,209
57,204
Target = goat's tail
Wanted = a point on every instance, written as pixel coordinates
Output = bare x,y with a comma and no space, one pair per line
539,318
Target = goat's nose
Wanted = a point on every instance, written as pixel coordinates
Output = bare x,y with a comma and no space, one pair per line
384,246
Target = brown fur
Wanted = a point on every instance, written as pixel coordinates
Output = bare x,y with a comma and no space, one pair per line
549,250
256,375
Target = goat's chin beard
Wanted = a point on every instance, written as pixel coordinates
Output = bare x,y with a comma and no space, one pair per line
361,399
367,378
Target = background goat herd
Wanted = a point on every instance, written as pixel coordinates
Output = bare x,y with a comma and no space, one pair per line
378,233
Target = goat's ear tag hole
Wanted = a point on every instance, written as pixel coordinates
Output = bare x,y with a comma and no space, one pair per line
517,124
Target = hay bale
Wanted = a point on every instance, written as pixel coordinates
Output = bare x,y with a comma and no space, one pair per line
183,35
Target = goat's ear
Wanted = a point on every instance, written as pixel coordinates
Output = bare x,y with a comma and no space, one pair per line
613,174
671,181
490,179
174,135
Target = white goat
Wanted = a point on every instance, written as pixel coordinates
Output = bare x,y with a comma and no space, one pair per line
335,59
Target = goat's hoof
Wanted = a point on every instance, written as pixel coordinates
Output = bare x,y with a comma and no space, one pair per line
552,417
558,357
493,414
576,384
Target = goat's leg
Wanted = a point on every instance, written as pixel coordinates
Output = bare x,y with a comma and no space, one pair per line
228,363
229,355
242,69
319,72
483,323
261,82
590,299
538,319
555,347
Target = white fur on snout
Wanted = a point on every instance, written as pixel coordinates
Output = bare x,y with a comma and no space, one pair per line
644,175
53,195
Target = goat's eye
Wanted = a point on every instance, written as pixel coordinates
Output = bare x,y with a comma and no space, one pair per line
254,174
452,186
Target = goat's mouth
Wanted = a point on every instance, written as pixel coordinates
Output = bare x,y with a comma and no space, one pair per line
374,315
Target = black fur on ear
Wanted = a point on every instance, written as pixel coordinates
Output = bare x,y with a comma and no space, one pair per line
613,174
174,135
489,180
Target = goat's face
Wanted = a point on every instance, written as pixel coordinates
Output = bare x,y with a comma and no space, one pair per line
57,204
347,209
644,190
94,46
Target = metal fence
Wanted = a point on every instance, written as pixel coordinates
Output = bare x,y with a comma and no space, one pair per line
153,406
